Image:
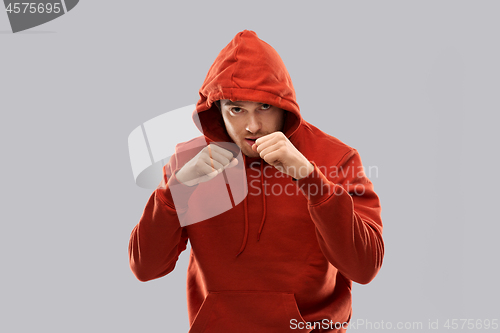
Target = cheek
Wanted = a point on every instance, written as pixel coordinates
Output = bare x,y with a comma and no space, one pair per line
231,127
277,120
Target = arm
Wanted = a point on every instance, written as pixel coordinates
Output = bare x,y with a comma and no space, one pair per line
347,218
158,239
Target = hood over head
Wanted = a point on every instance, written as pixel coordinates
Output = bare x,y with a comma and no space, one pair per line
247,69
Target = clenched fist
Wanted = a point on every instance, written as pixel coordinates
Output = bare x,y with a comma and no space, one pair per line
278,151
207,164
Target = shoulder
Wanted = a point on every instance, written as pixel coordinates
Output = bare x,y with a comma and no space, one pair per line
184,151
199,141
320,147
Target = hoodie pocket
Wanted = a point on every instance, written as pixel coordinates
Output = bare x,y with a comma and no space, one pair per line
249,311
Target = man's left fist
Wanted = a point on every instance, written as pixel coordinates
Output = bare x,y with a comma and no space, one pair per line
278,151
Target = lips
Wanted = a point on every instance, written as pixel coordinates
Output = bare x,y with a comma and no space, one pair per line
250,141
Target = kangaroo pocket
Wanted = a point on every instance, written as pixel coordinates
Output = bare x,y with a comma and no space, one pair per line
248,311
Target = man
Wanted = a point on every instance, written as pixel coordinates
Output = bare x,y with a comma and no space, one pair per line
282,258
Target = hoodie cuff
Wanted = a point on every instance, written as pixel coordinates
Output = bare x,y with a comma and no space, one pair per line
316,187
176,194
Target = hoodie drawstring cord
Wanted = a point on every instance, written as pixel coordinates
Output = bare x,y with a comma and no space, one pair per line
245,208
245,237
264,208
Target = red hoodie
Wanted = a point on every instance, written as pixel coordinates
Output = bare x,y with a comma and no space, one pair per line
283,258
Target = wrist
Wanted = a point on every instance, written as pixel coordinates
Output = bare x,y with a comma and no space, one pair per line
304,171
179,175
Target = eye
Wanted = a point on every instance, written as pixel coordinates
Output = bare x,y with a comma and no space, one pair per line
265,106
236,110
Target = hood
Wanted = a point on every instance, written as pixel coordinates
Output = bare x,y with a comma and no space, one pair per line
247,69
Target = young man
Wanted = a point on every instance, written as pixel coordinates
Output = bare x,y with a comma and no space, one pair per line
283,258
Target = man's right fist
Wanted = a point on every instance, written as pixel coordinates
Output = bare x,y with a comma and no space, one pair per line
207,164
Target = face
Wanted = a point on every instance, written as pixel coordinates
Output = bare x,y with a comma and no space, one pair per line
247,121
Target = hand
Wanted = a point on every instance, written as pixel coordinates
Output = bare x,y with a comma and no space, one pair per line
278,151
207,164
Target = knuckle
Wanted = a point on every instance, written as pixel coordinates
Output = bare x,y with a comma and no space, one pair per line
200,163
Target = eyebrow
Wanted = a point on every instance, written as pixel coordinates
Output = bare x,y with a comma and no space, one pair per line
238,103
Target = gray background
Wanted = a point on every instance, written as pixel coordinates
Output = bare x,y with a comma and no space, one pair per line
413,85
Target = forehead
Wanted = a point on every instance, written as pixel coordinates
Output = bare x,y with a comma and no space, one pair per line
227,102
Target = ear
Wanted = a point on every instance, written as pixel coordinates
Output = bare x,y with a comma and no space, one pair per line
285,116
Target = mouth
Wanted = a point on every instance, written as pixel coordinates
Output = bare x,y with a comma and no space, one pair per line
250,141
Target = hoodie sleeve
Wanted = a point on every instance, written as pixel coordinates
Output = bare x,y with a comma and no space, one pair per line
158,239
347,218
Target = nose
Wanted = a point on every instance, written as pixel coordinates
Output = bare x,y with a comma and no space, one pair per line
253,123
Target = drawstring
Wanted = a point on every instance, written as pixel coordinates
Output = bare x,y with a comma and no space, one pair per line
263,200
245,237
245,208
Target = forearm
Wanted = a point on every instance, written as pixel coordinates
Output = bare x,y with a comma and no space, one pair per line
158,239
348,226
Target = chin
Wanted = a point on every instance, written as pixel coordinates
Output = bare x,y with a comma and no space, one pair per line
250,153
